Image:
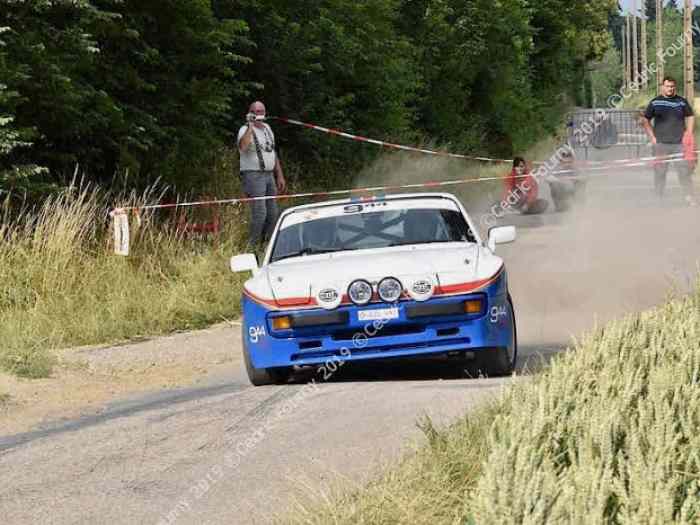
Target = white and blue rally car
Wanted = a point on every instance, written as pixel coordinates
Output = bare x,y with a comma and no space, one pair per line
376,278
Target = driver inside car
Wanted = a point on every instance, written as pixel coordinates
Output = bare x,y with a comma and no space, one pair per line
320,234
420,227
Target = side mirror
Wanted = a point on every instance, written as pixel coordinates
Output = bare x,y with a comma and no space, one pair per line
500,235
245,262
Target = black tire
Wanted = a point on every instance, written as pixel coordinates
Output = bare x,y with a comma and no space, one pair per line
265,376
500,361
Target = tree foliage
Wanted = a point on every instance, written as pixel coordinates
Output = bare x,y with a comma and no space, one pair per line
160,87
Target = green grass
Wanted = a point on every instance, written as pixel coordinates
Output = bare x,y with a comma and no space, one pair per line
607,434
61,285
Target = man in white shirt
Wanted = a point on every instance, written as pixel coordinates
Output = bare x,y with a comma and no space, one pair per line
261,172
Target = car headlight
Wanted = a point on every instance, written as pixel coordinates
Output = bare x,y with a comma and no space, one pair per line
360,292
389,289
328,297
421,289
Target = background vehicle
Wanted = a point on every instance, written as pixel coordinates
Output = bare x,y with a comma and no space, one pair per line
386,277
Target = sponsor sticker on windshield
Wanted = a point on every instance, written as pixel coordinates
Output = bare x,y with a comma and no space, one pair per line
380,314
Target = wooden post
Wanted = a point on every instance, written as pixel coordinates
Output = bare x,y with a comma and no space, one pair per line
659,46
688,70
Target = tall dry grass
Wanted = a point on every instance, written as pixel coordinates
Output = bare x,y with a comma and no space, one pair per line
610,433
61,285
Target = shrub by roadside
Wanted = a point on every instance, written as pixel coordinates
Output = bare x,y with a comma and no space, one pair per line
608,434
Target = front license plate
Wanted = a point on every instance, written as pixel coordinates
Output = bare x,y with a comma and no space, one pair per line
380,314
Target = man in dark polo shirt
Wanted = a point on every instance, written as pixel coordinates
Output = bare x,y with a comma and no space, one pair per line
673,120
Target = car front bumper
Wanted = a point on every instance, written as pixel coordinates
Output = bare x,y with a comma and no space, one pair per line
413,332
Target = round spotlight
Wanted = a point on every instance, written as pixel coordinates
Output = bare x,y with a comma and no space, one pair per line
328,297
389,289
421,289
360,292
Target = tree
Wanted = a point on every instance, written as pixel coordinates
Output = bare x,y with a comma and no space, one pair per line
673,30
171,99
338,62
160,86
111,84
607,74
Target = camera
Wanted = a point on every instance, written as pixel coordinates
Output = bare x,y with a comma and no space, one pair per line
250,117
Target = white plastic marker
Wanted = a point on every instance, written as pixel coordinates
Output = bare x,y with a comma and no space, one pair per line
120,222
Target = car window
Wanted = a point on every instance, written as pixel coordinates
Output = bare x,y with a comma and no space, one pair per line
374,229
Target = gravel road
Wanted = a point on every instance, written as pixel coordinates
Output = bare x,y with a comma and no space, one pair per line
224,452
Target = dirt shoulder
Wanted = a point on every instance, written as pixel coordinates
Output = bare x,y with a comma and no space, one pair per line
89,377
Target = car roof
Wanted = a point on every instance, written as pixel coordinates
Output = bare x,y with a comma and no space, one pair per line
372,198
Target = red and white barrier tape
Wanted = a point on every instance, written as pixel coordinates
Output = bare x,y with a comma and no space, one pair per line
121,220
385,144
630,163
360,138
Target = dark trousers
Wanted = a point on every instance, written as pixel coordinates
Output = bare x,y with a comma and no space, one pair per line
681,165
537,207
263,213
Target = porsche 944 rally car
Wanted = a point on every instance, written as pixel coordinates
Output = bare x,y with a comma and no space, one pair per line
376,278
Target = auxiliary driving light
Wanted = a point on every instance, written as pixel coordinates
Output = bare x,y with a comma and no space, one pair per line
328,297
282,323
421,289
473,306
360,292
389,289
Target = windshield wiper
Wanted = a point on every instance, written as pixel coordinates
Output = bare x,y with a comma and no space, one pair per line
305,251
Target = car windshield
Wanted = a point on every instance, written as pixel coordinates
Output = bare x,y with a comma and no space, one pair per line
373,229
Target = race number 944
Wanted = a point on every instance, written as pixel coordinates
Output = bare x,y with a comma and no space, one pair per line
498,313
256,333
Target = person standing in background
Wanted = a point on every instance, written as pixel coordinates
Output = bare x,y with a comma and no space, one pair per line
261,173
673,126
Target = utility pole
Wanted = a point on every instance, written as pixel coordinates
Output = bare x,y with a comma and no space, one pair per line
635,45
625,64
628,51
688,69
659,45
644,64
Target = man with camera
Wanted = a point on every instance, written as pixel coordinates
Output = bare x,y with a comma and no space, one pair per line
261,172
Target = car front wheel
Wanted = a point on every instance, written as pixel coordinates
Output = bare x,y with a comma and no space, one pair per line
500,361
265,376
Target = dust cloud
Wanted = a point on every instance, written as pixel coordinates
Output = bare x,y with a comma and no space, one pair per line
620,251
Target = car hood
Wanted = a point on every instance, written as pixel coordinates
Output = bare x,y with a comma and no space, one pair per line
297,280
